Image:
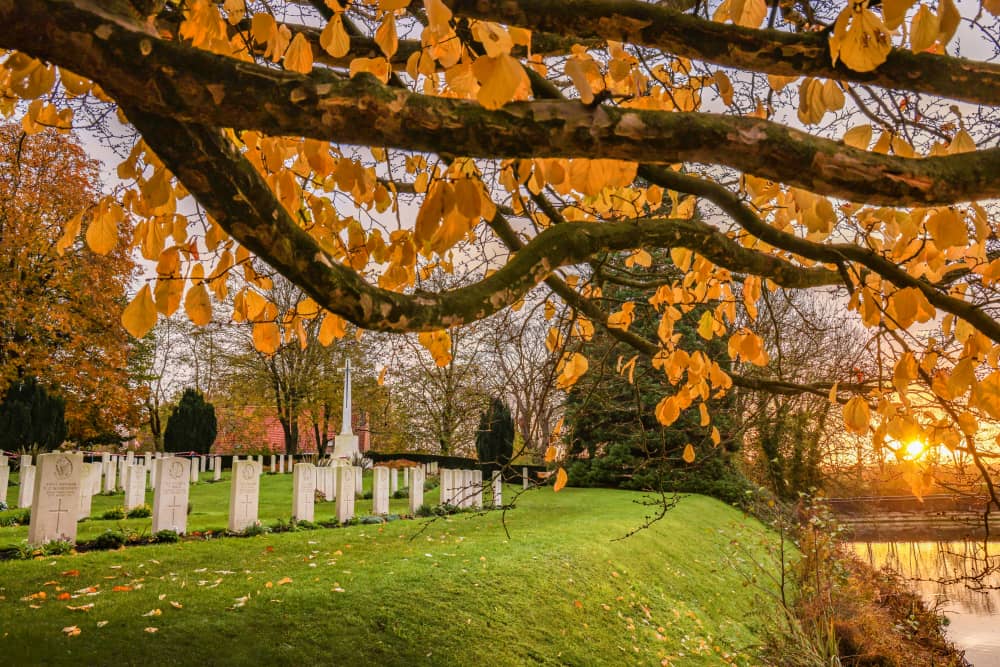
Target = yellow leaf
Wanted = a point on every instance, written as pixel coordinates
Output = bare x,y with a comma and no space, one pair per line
857,415
949,19
283,581
334,38
500,79
859,137
833,392
151,630
667,410
894,11
688,454
706,419
140,315
859,38
439,345
706,325
333,326
102,234
71,631
573,368
386,36
198,306
550,454
924,29
266,337
947,228
561,479
71,231
299,56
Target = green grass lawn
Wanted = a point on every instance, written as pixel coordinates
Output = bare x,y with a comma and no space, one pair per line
457,591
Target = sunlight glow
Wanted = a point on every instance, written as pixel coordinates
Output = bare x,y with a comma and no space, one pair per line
914,450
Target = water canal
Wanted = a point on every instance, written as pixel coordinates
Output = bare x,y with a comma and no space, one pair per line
961,578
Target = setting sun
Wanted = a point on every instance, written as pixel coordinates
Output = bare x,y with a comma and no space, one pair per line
913,450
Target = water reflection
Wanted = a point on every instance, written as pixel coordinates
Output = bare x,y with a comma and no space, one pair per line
962,578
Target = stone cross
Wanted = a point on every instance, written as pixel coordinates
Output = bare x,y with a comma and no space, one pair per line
244,495
303,491
380,490
56,505
173,475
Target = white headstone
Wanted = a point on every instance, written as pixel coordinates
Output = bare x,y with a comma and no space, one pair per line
260,460
359,480
194,470
56,505
303,491
244,495
328,482
217,468
109,474
380,490
26,460
417,489
135,487
95,478
272,466
4,478
170,500
345,499
152,471
129,458
476,492
525,480
446,486
281,464
122,471
26,492
86,490
497,489
406,477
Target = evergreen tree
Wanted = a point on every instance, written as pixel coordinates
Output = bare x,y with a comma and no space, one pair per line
31,419
495,436
191,426
611,411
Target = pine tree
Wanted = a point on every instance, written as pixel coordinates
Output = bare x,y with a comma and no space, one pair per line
31,419
191,426
495,436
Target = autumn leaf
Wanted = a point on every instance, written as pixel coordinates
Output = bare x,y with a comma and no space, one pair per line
198,306
500,80
63,596
857,415
283,581
71,631
299,56
561,479
550,453
266,337
139,317
334,38
439,345
859,38
102,233
151,630
572,369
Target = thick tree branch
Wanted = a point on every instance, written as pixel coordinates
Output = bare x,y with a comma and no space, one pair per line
771,51
829,253
193,86
227,185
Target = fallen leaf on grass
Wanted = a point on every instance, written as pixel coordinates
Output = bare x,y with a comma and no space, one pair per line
71,573
40,595
83,607
161,596
63,596
151,630
284,580
153,612
121,589
71,631
176,605
51,583
101,624
269,585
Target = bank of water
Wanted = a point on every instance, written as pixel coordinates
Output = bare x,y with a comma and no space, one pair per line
960,578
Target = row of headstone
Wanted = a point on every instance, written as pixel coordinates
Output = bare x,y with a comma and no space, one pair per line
62,486
462,488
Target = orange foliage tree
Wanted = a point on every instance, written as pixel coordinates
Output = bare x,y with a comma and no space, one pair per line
356,146
53,324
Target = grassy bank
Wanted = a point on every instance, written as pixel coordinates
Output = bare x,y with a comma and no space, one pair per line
560,590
